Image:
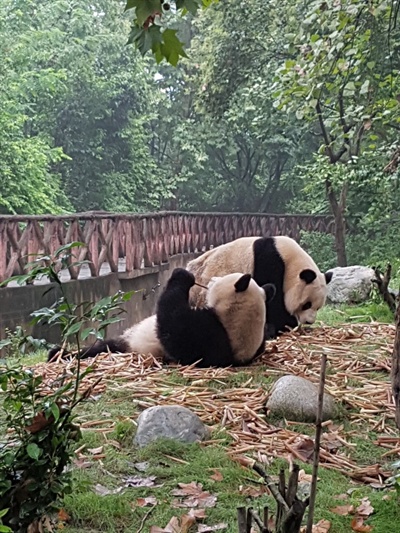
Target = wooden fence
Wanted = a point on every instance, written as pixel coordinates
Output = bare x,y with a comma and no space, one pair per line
140,240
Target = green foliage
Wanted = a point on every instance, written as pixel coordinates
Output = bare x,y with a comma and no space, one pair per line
321,247
33,458
150,29
40,433
342,73
17,343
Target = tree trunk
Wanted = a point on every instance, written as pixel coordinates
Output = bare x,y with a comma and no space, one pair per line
396,369
338,209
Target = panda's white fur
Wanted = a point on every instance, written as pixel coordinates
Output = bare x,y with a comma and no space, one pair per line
242,314
279,260
142,337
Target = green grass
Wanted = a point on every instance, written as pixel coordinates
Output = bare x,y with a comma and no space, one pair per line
117,513
367,312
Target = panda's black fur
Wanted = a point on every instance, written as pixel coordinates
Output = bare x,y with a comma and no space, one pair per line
191,334
117,345
265,252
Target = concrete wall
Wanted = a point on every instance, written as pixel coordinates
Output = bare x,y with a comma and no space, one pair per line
17,303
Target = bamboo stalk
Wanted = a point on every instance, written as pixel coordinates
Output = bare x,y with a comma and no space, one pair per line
318,432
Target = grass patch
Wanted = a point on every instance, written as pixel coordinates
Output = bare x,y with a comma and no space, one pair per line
120,512
366,312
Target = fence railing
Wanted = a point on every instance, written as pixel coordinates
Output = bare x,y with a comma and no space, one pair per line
128,242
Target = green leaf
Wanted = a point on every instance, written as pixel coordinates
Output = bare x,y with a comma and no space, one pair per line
144,9
3,512
86,332
33,451
172,47
73,329
55,411
364,87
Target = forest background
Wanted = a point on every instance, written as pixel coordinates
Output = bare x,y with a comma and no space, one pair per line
280,107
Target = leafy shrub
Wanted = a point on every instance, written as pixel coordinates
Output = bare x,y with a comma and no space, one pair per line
40,433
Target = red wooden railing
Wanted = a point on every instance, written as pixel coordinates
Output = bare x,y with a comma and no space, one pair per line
143,240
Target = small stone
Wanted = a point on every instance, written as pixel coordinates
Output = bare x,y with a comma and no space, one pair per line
296,398
351,284
171,422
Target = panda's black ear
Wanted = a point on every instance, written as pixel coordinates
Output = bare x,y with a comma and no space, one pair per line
270,291
242,283
328,277
308,275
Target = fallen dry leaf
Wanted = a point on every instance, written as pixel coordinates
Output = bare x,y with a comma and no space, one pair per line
217,476
254,492
343,510
63,516
357,524
104,491
39,422
187,522
144,502
365,509
137,481
305,477
173,526
323,526
342,497
182,525
197,513
203,528
304,448
95,451
195,496
82,463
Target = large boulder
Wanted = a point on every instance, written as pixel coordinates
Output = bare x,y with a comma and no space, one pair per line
169,421
296,398
351,284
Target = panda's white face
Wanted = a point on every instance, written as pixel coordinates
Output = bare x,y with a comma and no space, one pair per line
306,297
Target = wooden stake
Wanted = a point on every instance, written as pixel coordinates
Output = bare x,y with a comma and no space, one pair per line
317,442
396,369
242,519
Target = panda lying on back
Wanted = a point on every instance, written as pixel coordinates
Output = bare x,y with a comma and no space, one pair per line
229,330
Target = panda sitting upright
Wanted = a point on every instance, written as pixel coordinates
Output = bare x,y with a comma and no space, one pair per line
301,288
229,330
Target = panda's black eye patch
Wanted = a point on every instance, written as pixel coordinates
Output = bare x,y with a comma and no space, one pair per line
306,306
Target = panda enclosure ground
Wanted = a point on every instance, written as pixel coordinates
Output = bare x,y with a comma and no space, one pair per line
357,448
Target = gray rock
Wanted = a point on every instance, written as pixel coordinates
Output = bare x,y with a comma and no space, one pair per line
296,398
351,284
169,421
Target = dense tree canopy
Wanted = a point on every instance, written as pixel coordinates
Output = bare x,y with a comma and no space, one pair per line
279,107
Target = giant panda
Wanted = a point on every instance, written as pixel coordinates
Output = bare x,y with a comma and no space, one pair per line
229,330
301,288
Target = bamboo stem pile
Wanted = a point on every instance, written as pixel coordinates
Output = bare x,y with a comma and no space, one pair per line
359,358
